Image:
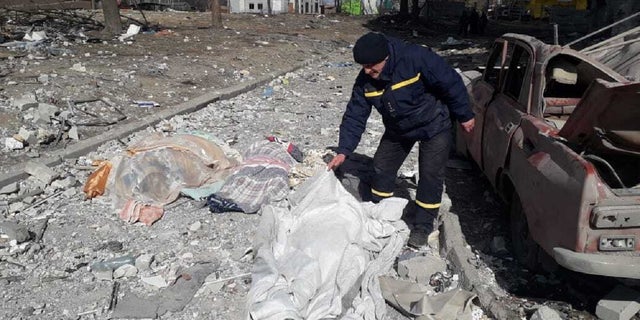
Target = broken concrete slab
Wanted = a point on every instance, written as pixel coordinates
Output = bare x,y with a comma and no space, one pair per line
545,313
44,113
73,133
13,144
10,188
421,268
14,231
125,271
28,136
143,262
155,281
620,304
65,183
172,299
25,103
40,171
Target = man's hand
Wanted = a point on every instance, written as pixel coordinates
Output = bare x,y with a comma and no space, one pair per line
336,161
468,125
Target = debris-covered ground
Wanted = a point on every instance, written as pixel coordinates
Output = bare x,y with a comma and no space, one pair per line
58,261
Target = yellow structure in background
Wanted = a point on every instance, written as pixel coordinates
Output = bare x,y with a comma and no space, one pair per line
536,7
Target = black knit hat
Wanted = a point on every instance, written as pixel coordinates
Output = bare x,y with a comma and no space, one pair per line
370,48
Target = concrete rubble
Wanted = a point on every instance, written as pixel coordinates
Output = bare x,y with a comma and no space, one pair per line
621,303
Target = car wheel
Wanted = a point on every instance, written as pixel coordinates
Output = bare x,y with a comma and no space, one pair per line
525,249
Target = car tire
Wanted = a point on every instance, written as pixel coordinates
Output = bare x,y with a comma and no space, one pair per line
525,249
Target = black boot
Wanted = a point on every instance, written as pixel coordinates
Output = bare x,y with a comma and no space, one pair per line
422,227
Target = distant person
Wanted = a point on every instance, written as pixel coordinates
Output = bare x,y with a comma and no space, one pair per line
474,19
482,24
463,23
417,93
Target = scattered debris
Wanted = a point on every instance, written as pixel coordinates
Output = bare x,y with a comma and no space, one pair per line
172,299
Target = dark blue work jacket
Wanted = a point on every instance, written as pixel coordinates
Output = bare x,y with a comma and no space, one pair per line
415,93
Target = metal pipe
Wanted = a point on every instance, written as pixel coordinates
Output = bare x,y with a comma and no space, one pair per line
622,35
612,46
555,34
602,29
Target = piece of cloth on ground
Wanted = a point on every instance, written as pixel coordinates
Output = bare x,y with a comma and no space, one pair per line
262,177
155,170
218,204
413,299
321,253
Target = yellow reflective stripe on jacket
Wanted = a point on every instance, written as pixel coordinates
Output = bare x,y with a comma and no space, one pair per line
381,194
393,87
428,205
405,83
373,94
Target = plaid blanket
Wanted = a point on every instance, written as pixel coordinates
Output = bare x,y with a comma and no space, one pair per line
262,177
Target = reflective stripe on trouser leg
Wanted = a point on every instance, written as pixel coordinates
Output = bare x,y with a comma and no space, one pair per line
432,161
389,156
425,215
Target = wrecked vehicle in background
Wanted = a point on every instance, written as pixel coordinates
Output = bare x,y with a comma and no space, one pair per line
558,135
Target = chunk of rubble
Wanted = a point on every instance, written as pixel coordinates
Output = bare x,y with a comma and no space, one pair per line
621,303
28,136
420,268
13,231
143,262
73,133
24,103
44,113
13,144
10,188
545,313
40,172
125,271
155,281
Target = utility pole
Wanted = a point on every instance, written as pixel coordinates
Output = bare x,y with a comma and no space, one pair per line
111,16
216,14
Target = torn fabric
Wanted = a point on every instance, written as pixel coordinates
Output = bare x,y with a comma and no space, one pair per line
413,299
321,255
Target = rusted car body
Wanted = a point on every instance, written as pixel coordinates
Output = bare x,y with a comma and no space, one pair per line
558,135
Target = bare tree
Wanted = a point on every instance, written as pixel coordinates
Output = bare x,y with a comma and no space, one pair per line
216,13
404,8
415,9
269,9
111,16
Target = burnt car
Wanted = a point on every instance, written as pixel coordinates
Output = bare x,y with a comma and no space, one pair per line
558,135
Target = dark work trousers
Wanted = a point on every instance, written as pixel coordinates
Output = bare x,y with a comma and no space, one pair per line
432,159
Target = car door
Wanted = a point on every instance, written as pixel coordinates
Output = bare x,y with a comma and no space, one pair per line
481,94
506,109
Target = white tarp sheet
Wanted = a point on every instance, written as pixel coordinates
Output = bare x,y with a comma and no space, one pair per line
321,254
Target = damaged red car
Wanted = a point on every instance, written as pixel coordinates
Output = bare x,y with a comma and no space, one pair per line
558,135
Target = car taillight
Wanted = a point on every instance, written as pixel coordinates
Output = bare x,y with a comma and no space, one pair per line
617,243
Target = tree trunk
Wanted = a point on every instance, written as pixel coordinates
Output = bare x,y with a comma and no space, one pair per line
404,8
216,14
415,9
111,16
269,8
